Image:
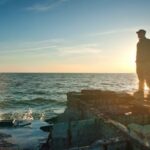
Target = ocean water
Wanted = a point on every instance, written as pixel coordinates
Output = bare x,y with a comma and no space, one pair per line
42,96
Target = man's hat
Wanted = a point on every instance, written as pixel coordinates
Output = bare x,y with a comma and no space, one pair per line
141,31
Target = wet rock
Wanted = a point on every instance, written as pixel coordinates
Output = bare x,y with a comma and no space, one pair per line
52,120
78,127
6,123
81,133
60,136
140,132
110,144
4,144
47,128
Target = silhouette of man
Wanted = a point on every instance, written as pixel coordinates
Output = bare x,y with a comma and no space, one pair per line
143,62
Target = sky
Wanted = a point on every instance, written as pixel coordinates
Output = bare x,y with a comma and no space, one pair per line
92,36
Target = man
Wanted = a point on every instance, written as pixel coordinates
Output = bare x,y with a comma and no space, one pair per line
143,62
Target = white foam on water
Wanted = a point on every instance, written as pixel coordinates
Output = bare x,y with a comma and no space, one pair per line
26,132
28,115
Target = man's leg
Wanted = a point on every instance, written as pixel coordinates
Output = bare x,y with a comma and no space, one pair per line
140,74
141,85
147,76
139,70
148,81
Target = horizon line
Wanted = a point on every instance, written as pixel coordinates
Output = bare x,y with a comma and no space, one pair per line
70,72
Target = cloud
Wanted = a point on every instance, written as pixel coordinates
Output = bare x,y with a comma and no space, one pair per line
60,47
27,47
42,7
114,31
80,49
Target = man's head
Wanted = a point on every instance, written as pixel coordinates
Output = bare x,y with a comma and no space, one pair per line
141,34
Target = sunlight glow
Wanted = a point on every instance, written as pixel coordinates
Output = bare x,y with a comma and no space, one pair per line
146,87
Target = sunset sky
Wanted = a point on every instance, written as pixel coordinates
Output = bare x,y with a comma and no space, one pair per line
71,35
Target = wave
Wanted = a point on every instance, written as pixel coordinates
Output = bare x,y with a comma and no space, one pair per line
23,115
30,93
33,102
39,92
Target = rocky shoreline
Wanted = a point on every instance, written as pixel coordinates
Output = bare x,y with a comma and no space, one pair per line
104,120
92,120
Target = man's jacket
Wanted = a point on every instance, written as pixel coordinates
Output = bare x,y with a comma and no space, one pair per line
143,51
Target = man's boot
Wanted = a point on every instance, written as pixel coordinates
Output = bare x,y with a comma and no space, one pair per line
148,96
139,94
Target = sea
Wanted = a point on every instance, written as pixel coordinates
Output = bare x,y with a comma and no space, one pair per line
40,96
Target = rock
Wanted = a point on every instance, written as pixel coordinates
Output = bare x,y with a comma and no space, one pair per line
81,133
60,136
21,123
6,123
87,119
52,120
110,144
140,132
47,128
